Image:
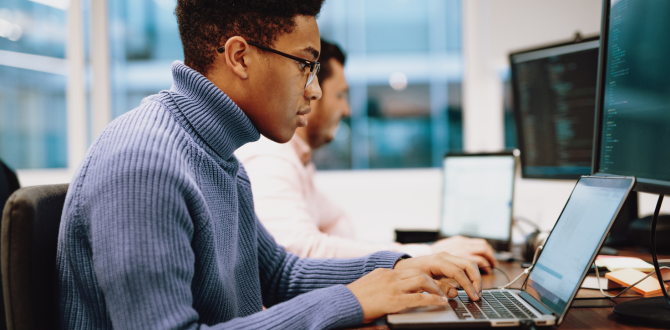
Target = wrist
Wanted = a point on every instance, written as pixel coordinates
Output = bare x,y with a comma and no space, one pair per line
405,257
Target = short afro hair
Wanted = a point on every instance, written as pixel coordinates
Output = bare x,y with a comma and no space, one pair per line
329,51
205,25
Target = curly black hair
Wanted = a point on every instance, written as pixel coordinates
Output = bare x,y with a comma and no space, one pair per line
205,25
329,51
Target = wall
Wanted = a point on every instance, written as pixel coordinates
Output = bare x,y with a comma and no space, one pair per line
379,201
494,28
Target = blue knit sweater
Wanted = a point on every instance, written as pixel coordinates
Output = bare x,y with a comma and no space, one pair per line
159,229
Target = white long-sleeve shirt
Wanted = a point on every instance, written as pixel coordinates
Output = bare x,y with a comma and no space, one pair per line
299,216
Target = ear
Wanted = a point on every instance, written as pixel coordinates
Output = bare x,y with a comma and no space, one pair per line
238,57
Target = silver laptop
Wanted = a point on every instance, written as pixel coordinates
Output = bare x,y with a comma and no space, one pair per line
477,197
554,281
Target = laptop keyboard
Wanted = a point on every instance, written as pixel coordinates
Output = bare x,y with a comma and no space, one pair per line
492,305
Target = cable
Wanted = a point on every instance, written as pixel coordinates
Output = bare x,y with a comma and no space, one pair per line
653,248
527,324
626,289
522,219
653,253
517,220
525,271
498,269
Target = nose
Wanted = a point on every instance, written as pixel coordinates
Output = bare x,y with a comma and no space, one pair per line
347,109
313,90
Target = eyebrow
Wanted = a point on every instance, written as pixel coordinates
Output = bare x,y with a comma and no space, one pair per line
312,51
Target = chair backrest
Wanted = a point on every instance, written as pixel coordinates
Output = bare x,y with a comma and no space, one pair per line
29,241
9,183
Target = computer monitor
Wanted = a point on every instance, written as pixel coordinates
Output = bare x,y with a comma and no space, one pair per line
477,197
633,103
554,94
633,114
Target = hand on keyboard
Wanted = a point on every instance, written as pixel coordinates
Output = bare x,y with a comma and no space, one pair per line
442,266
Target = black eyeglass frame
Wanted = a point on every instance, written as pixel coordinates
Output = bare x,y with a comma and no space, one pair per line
311,64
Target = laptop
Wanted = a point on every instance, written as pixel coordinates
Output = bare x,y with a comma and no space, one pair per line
477,197
555,279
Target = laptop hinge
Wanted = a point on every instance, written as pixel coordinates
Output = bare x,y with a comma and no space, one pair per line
538,305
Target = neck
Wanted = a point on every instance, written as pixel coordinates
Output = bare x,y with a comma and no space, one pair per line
226,81
302,134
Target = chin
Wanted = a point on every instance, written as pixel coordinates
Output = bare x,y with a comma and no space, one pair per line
280,137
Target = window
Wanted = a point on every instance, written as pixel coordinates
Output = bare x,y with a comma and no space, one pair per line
33,116
144,41
404,67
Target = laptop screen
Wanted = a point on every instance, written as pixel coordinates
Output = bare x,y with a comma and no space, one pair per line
575,239
477,196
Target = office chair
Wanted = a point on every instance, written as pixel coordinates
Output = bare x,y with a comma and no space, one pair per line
30,223
9,183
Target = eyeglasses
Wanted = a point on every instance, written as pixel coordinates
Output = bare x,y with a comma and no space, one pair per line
314,66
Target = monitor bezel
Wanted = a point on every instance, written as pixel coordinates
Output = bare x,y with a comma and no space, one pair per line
517,111
498,245
641,184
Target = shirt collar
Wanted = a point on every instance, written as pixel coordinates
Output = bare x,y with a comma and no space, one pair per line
302,149
209,112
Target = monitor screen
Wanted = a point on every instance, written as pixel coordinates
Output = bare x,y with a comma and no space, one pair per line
634,108
575,239
477,196
554,101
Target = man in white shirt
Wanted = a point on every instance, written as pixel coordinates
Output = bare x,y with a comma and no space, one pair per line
299,216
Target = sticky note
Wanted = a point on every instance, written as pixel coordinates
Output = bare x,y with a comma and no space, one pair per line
648,288
618,263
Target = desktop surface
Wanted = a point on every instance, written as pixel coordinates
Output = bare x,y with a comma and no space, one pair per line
577,318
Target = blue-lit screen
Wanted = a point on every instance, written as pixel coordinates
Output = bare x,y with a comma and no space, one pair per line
575,239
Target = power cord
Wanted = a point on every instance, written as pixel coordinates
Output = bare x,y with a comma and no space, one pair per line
527,324
627,288
518,220
499,270
525,271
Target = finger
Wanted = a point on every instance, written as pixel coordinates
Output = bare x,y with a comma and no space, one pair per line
423,299
482,248
470,268
448,289
420,283
482,263
467,285
490,255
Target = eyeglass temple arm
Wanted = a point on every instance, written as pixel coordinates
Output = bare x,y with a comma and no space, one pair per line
302,60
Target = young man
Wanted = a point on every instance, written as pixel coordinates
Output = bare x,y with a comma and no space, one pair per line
158,229
299,216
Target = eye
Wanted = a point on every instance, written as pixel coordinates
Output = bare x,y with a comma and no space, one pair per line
301,65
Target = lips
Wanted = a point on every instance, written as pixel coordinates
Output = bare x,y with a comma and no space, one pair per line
305,111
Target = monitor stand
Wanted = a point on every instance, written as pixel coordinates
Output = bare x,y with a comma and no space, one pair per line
645,311
648,311
620,232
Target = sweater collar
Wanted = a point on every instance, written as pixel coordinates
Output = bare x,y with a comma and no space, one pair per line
219,122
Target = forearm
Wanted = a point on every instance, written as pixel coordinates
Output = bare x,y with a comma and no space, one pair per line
327,308
284,275
311,243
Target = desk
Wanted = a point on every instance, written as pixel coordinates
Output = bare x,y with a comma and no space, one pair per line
577,318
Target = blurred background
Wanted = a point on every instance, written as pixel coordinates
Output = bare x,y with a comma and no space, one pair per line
426,77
